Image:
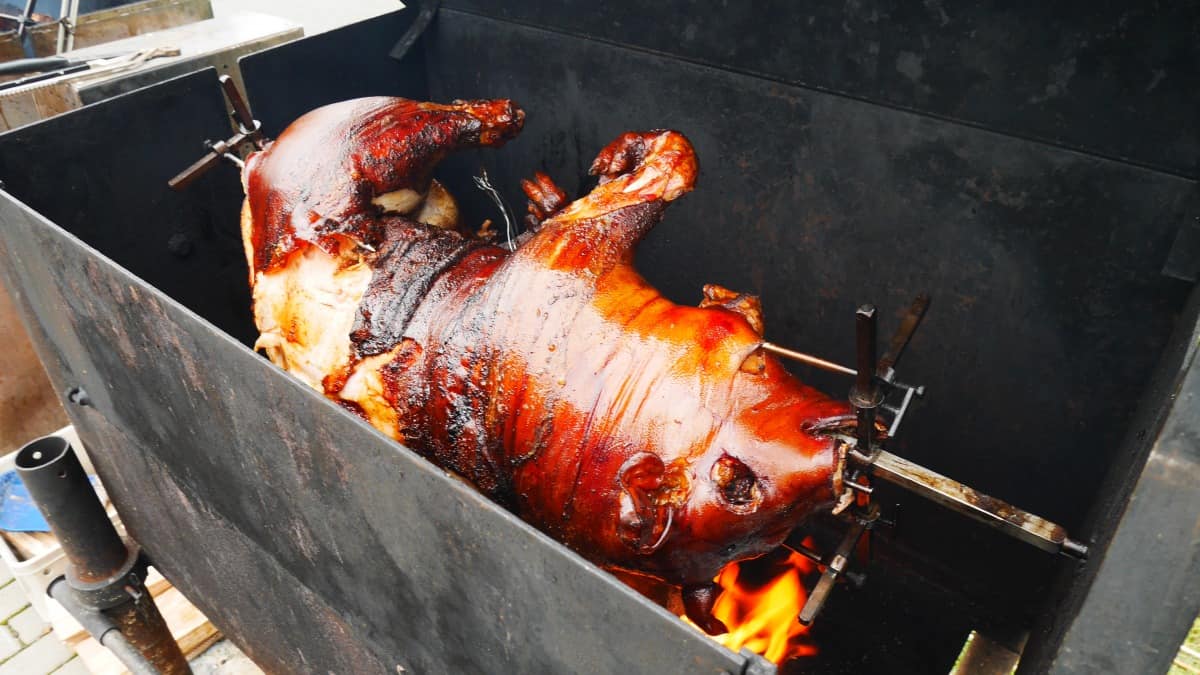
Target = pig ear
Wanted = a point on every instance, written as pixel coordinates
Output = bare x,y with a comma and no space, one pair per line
645,513
748,306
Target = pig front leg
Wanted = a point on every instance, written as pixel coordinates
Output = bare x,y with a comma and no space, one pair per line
698,601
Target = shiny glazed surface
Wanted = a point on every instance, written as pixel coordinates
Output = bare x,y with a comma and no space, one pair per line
650,437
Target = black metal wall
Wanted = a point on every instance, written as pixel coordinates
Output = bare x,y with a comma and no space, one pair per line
1130,607
1110,77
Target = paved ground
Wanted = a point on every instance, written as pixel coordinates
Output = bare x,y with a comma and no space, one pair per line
27,647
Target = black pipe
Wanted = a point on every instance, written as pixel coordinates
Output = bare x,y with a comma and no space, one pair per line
58,484
103,574
100,627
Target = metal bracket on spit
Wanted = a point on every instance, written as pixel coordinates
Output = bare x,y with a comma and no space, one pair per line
885,372
836,567
249,132
868,460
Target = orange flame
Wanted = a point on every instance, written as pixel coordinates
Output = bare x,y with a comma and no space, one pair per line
762,616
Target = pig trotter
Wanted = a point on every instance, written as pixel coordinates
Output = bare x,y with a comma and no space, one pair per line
698,601
657,164
622,155
545,199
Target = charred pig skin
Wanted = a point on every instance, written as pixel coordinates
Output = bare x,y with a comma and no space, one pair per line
653,438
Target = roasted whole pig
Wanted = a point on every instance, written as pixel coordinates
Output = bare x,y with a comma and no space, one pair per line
655,439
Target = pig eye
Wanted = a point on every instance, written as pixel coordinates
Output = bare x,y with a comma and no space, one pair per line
737,484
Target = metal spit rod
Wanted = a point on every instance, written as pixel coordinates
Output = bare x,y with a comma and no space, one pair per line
897,411
809,359
1001,515
887,363
885,371
870,460
908,326
823,364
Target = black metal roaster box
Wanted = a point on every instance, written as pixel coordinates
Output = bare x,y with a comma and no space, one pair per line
842,159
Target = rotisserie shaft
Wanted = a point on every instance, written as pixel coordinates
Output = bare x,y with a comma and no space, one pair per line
650,437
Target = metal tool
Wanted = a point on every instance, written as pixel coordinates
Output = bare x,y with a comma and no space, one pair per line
808,359
868,460
908,326
249,131
834,568
48,63
106,63
1012,521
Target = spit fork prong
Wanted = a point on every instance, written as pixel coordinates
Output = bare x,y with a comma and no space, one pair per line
249,131
241,111
904,333
837,565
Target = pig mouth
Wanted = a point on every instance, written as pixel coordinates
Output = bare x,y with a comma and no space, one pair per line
841,429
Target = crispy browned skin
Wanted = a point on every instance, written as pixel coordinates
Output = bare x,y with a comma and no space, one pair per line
325,168
648,436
